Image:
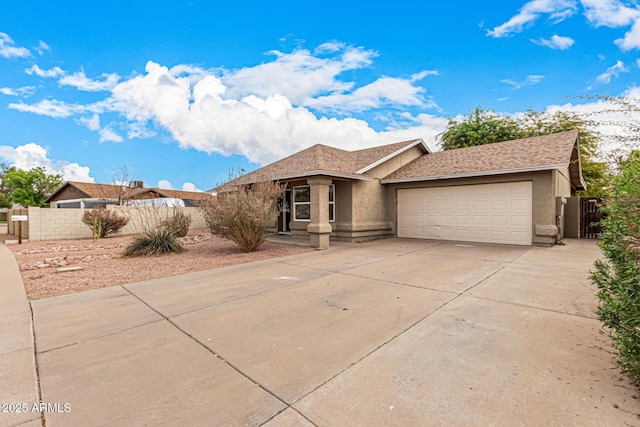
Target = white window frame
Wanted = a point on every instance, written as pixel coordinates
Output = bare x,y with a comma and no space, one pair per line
295,204
332,204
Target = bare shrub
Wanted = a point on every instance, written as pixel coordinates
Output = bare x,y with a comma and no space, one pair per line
177,223
243,215
103,221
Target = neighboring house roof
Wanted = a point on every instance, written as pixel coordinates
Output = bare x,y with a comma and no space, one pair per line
115,192
324,160
529,154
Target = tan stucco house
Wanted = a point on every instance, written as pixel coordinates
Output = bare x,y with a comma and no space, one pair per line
509,192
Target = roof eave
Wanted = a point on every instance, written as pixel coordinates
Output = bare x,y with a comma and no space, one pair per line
356,176
395,153
475,174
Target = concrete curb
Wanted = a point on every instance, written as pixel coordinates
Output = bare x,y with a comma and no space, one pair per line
18,377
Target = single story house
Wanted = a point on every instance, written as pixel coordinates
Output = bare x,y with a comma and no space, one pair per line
88,195
510,192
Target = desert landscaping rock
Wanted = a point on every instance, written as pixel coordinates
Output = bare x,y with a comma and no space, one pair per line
104,266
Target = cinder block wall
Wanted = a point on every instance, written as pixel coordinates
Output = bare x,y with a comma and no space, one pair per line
50,224
55,224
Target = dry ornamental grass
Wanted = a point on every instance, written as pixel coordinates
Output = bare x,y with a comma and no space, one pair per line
103,266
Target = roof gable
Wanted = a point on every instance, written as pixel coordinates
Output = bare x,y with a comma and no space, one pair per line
537,153
324,160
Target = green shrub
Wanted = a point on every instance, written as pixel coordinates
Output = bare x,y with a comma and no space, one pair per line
242,216
103,221
177,223
153,243
618,276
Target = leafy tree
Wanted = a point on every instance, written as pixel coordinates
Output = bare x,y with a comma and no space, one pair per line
32,187
478,128
618,276
485,127
5,196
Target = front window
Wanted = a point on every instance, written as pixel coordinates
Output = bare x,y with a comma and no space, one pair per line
302,203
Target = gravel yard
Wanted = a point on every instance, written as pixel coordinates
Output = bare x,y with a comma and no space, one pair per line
102,265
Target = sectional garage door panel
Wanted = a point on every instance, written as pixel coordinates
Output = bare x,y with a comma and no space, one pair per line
491,213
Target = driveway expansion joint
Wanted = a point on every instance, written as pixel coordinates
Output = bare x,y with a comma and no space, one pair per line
582,316
210,350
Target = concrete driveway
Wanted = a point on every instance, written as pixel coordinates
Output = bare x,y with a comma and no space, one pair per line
392,332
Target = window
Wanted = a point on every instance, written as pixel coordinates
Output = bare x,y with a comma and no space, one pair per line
332,203
302,203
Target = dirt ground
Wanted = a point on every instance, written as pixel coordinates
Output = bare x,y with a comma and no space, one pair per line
101,264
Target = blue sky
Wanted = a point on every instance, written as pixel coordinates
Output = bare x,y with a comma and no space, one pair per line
180,92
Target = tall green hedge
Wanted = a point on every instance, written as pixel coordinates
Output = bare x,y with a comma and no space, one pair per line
618,276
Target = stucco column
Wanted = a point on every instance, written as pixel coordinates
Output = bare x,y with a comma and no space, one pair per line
319,227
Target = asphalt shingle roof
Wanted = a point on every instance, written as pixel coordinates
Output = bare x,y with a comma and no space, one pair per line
330,160
528,153
111,191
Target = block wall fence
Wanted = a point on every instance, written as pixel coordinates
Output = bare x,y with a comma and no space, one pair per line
56,224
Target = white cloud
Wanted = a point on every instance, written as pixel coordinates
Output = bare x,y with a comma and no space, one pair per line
252,112
261,129
80,81
20,91
109,135
558,10
51,108
613,71
615,14
631,39
32,155
165,185
53,72
9,49
609,13
92,123
530,80
298,75
385,91
42,48
189,186
599,13
556,42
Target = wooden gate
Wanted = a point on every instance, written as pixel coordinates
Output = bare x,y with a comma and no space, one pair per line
590,216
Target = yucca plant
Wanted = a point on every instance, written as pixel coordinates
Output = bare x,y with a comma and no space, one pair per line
152,237
149,244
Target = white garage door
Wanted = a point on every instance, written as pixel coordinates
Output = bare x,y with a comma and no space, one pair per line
491,213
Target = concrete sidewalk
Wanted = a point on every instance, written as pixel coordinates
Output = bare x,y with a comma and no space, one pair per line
18,383
392,332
